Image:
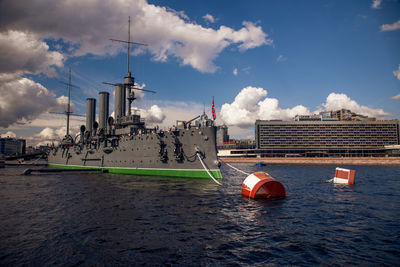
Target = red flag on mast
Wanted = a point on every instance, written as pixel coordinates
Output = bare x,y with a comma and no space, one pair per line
213,110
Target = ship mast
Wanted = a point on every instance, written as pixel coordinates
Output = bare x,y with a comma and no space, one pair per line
129,47
69,101
129,81
69,112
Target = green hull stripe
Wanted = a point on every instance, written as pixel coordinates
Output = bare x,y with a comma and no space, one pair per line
148,172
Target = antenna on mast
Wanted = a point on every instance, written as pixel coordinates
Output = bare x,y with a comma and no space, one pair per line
69,100
69,112
129,45
129,81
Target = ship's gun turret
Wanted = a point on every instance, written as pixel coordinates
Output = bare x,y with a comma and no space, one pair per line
204,121
185,124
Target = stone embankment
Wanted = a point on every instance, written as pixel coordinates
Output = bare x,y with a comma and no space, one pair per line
390,161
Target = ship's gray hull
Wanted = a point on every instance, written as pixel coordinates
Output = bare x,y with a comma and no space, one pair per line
177,153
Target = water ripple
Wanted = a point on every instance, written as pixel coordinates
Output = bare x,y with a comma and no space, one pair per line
106,219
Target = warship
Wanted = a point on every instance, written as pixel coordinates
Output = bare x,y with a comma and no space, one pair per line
123,144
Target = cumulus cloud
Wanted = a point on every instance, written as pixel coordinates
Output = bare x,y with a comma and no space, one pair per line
396,97
9,134
165,113
176,110
376,4
252,104
49,135
22,99
270,110
209,18
336,101
396,73
235,71
139,94
23,52
168,32
249,106
153,115
390,27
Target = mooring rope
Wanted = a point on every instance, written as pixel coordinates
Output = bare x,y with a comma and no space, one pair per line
237,169
205,168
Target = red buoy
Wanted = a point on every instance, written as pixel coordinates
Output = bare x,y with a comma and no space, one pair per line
344,176
261,185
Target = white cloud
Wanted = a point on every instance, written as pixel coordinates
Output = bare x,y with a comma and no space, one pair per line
22,99
391,27
180,14
249,106
154,115
396,73
168,32
209,18
79,30
281,58
336,101
56,121
270,110
9,134
376,4
174,111
50,135
252,104
235,71
23,52
139,94
396,97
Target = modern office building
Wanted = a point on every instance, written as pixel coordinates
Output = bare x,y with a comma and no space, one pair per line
12,146
222,134
345,135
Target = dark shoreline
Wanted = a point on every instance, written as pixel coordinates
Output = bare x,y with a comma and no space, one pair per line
381,161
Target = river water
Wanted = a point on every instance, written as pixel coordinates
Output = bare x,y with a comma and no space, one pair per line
108,219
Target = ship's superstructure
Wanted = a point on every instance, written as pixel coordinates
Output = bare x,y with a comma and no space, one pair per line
123,144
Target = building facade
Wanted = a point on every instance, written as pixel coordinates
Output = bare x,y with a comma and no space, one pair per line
325,137
12,146
222,134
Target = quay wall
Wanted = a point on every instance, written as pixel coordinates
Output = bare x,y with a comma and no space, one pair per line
382,161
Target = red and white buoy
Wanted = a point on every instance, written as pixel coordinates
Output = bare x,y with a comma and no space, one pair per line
261,185
344,176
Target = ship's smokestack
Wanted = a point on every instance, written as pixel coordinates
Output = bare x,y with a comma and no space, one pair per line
103,109
90,113
119,106
128,82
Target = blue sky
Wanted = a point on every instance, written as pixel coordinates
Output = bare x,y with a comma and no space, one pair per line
259,59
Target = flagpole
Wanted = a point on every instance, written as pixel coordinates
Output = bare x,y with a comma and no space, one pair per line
213,110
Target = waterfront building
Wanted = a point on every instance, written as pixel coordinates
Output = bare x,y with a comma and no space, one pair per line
325,137
12,146
222,134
